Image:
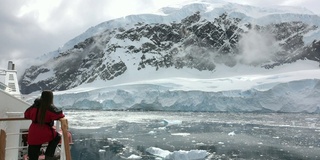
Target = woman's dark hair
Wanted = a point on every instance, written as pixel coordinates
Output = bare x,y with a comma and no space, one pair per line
46,101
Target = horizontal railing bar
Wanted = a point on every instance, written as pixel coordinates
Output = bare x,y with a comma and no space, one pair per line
8,148
21,133
12,119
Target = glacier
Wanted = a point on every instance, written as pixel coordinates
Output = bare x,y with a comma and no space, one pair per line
295,96
293,89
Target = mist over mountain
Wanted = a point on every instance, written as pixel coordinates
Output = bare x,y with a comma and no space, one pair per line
198,36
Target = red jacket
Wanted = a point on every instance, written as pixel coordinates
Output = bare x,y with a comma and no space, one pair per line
39,134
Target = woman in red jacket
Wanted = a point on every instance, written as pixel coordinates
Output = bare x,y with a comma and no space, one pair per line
43,113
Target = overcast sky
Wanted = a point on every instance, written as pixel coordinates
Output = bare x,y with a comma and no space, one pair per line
30,28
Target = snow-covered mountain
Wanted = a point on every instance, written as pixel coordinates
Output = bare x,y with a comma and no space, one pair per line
209,10
199,40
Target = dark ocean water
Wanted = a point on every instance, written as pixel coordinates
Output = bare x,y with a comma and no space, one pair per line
115,135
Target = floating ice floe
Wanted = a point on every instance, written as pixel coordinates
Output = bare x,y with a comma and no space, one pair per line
171,122
180,134
178,155
133,156
158,152
231,133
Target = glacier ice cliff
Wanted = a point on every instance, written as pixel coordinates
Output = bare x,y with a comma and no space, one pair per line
294,96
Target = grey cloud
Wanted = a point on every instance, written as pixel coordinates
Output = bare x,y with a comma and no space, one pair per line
24,38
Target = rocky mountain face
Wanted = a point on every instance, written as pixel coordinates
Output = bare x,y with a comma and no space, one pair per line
194,42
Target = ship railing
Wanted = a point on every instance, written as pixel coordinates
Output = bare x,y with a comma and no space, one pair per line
3,86
2,75
62,124
2,72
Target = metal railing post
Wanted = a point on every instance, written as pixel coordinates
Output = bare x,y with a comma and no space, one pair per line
65,138
3,137
12,140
